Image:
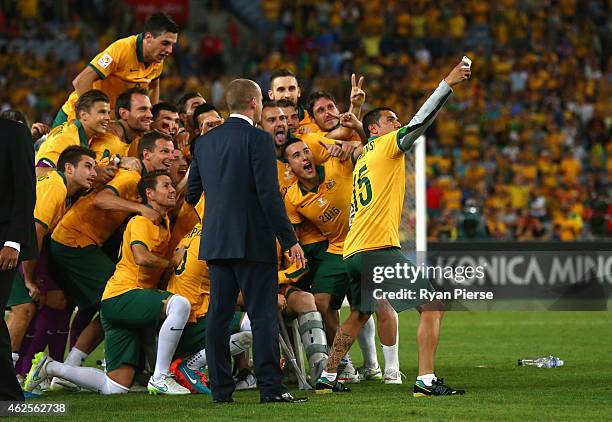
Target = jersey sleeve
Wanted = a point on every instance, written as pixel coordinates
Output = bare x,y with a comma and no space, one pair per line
107,61
48,155
292,212
50,200
417,126
124,184
389,144
142,232
292,273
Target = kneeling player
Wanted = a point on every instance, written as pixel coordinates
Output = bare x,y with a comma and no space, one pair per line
191,280
131,303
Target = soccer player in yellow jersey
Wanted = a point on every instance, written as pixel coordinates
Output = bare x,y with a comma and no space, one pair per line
54,193
135,61
378,193
134,114
76,243
322,196
93,118
284,86
191,280
132,303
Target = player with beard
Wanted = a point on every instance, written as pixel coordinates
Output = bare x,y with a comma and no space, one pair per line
284,86
131,303
377,200
55,193
76,243
274,121
133,112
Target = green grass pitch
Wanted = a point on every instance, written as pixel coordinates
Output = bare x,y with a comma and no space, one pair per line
478,351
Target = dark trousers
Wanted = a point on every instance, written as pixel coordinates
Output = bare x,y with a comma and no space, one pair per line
258,283
9,387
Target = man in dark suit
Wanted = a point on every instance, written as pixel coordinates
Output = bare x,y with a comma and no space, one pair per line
17,233
234,165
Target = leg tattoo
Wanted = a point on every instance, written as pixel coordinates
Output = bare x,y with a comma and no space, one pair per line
342,343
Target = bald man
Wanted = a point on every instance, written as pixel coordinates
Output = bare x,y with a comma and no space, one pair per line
234,166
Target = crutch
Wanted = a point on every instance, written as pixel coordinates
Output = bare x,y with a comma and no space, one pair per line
288,350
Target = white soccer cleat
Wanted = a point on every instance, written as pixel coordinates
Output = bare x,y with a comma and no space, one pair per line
166,385
349,374
38,371
245,380
393,376
369,374
60,384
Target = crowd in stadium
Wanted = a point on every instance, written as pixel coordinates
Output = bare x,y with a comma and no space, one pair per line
524,153
119,215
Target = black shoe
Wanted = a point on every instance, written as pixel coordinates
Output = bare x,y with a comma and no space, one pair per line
437,388
324,386
283,398
227,400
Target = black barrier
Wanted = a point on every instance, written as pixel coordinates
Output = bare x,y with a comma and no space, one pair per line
494,276
518,246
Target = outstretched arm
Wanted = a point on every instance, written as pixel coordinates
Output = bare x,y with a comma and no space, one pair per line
428,111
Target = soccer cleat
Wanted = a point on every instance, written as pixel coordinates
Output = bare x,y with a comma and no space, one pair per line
166,385
348,374
393,376
38,371
60,384
369,374
325,386
245,380
437,388
194,380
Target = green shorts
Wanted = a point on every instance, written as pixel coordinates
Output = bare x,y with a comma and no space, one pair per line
60,118
331,277
82,272
19,293
123,318
194,335
315,253
354,266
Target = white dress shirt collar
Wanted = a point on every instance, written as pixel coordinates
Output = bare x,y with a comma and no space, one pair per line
243,117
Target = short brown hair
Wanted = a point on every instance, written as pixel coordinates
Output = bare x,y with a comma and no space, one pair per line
149,139
149,181
239,93
88,99
73,155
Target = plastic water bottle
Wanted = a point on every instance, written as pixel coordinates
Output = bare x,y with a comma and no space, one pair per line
543,362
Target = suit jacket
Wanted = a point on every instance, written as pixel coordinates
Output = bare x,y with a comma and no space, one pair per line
235,166
17,187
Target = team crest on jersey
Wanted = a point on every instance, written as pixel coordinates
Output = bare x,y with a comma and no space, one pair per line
105,60
330,184
322,202
288,174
